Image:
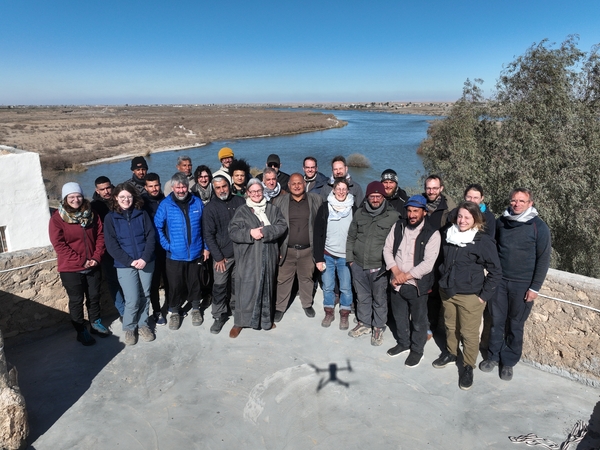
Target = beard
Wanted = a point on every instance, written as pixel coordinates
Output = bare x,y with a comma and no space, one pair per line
182,197
412,227
224,196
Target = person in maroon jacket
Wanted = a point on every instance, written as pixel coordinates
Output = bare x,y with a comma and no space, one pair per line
76,235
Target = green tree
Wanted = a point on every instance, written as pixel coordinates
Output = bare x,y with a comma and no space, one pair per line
539,130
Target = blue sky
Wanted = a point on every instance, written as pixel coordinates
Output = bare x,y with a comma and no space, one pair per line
230,51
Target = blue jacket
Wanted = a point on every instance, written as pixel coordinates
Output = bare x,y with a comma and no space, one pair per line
129,236
179,235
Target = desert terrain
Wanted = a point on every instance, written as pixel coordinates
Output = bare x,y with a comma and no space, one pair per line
67,137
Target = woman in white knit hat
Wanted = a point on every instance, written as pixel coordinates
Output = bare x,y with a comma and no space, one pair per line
76,235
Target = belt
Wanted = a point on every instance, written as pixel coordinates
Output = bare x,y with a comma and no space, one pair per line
299,247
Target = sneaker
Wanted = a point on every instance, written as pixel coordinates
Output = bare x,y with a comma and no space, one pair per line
130,337
310,312
444,360
196,318
278,316
506,373
85,338
99,329
487,365
397,350
217,326
146,334
465,379
413,359
161,321
174,321
359,330
377,336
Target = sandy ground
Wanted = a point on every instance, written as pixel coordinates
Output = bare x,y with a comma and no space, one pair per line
66,137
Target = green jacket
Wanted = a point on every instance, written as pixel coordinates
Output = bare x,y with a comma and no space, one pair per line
366,237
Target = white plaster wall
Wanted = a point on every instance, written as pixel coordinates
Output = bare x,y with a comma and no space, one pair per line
23,200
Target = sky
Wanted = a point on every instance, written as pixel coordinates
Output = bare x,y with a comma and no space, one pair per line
286,51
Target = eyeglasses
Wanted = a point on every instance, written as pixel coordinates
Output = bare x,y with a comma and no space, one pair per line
434,189
203,176
125,197
255,191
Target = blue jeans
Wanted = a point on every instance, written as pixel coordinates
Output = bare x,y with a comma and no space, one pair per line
334,264
136,290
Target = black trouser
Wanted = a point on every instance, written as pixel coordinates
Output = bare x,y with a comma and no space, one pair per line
223,291
83,288
184,283
159,273
410,313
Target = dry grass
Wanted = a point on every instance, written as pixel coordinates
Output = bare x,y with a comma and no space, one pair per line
358,160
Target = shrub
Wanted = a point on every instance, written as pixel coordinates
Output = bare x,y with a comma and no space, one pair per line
358,160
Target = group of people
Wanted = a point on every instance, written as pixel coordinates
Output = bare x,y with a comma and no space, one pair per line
240,243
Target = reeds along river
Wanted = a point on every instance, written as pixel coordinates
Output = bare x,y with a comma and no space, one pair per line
387,140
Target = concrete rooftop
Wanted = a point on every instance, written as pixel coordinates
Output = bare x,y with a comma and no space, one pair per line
275,390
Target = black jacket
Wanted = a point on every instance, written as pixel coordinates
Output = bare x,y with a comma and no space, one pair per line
215,225
439,218
316,185
461,271
398,200
490,221
282,178
100,206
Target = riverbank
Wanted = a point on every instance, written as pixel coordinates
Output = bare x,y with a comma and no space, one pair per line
66,138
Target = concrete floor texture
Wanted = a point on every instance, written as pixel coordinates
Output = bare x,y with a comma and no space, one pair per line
298,386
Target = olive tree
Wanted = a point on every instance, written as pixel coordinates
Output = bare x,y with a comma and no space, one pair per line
540,130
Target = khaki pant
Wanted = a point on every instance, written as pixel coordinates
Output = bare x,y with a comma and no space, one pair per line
300,263
462,316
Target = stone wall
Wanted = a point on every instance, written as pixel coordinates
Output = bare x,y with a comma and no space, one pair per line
564,338
32,298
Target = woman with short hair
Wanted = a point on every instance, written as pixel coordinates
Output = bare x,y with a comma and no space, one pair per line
203,187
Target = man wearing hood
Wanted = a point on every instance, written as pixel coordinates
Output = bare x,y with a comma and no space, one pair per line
394,194
524,248
339,170
364,252
139,169
215,222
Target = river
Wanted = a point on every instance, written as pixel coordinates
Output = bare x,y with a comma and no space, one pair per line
387,140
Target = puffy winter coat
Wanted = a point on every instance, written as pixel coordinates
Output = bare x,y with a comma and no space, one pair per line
180,233
129,236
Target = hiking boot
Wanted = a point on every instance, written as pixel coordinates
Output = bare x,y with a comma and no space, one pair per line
217,326
174,321
397,350
130,338
99,329
465,379
344,325
196,318
278,316
329,317
377,336
359,330
146,334
310,312
85,337
414,358
444,360
487,365
506,373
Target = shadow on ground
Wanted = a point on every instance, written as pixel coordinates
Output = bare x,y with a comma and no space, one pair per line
53,379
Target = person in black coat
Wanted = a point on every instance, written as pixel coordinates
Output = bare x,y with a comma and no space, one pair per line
465,288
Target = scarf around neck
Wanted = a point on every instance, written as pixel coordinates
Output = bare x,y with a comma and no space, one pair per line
259,210
203,193
432,206
338,210
460,238
525,216
271,193
375,212
84,216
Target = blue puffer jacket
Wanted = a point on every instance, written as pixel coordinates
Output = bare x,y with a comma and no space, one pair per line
173,231
129,236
